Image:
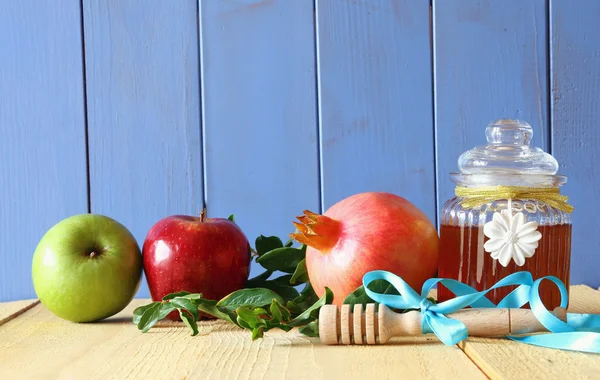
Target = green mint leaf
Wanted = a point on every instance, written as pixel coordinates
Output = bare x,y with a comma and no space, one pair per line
165,309
273,324
252,319
242,323
312,329
300,274
209,307
257,333
139,311
287,292
285,313
189,321
279,312
252,316
150,317
308,292
275,312
282,259
231,218
247,312
256,297
193,296
186,304
283,280
359,296
312,312
265,244
306,298
187,295
293,308
289,243
254,281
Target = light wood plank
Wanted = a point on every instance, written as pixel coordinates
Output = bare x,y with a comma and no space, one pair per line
11,310
292,355
116,349
143,96
259,113
505,359
490,63
375,100
43,175
575,83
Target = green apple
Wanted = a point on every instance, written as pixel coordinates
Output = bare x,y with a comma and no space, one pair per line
86,268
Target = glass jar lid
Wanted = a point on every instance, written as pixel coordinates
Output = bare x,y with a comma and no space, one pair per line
508,156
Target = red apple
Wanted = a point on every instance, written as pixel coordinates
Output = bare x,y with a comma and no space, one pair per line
195,254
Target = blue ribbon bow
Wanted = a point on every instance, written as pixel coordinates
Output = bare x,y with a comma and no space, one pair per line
581,332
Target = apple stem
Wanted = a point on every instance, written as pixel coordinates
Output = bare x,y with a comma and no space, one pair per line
92,254
203,215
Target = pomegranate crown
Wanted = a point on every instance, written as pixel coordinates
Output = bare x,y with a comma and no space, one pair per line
318,231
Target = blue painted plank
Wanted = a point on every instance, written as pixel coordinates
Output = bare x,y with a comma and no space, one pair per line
143,95
259,109
490,63
575,58
42,123
375,96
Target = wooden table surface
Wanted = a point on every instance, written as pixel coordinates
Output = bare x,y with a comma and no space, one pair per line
34,344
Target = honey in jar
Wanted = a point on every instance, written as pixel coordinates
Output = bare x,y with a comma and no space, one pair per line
507,216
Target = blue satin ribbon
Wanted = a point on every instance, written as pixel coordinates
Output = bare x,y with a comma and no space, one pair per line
581,332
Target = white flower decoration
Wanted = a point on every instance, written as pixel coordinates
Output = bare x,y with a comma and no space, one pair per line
511,238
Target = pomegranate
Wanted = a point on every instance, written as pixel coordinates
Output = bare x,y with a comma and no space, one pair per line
365,232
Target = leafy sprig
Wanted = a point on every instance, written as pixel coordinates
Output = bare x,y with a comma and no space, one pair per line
255,309
269,300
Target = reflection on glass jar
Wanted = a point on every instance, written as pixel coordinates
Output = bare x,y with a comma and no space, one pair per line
507,216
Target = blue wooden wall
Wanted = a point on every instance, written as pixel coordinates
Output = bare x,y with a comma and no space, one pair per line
139,109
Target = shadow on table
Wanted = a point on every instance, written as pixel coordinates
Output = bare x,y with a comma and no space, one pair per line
400,341
114,320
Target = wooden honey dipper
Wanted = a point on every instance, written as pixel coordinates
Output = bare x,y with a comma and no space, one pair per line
371,327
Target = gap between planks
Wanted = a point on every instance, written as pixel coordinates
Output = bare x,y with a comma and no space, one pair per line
11,310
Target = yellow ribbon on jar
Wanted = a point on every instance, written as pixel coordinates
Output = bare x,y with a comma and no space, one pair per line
478,196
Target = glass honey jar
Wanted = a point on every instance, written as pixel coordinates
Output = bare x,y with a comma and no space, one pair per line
507,216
